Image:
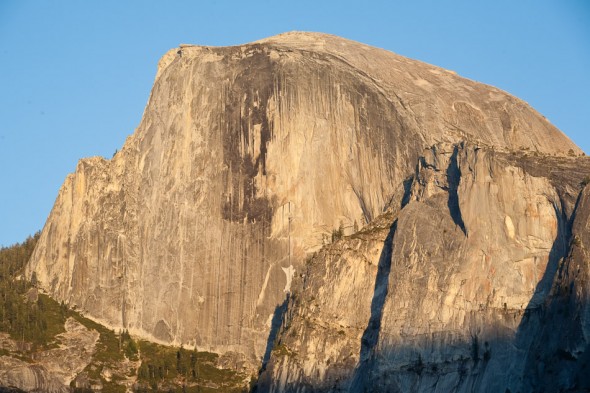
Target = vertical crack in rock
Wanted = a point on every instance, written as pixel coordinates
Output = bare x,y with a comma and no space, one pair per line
370,336
552,332
454,177
557,253
407,191
273,335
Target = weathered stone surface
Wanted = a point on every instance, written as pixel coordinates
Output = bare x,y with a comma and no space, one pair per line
459,295
558,356
52,370
247,158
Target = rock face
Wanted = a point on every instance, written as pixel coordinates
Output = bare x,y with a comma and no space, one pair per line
52,369
246,160
465,272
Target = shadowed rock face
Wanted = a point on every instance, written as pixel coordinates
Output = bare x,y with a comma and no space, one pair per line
248,157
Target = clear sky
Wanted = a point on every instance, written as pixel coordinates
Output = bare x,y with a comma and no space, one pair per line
75,75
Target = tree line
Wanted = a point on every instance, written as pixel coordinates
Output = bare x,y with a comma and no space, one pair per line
24,314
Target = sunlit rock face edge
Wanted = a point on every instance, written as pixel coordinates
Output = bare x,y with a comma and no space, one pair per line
246,159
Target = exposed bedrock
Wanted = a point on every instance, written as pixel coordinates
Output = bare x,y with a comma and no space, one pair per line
246,160
468,280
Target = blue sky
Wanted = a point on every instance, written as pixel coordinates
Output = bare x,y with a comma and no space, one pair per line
75,75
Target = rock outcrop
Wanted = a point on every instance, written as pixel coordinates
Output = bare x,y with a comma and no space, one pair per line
51,370
463,272
249,157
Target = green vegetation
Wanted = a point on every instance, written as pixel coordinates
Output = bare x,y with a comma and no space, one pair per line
35,320
337,234
195,371
111,351
281,350
576,241
25,318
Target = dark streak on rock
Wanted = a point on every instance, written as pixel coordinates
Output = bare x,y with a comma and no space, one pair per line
453,177
246,107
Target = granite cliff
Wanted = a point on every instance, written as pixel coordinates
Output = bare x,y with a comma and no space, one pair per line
478,278
458,206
